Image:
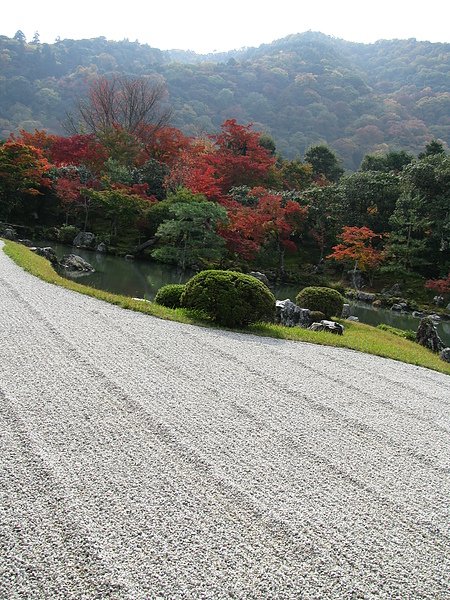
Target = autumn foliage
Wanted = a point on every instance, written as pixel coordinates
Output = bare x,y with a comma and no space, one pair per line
441,286
357,246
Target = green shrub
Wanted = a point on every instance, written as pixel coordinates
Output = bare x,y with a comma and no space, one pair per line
229,298
170,295
67,234
50,233
316,316
324,299
339,287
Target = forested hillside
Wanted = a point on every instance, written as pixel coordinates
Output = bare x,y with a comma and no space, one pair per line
301,90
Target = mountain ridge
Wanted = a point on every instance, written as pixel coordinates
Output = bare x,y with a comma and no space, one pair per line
302,89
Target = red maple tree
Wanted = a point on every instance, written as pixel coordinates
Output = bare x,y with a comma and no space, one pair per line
441,286
356,246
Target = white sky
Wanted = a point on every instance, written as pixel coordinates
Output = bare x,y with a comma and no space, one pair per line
206,25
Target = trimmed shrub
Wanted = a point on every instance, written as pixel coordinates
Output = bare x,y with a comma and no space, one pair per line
170,295
316,316
324,299
229,298
67,234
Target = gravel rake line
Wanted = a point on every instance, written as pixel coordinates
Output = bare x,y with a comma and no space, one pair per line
351,422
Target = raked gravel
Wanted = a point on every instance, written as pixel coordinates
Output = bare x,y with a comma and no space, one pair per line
145,459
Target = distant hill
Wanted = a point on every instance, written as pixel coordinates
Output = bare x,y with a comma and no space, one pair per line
302,89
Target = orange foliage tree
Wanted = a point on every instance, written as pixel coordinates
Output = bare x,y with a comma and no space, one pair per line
23,172
357,246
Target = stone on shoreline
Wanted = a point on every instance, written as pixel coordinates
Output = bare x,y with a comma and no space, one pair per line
73,262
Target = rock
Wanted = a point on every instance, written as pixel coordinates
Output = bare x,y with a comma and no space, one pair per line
397,307
84,239
73,262
365,297
27,243
102,247
47,253
403,305
330,326
417,314
435,317
445,354
439,300
129,257
428,336
377,303
261,276
9,234
448,307
353,318
290,315
345,311
395,290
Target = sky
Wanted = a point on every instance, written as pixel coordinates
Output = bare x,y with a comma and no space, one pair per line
208,26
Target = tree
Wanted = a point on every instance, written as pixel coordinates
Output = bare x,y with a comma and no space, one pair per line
135,105
356,246
23,173
295,174
324,162
271,220
78,150
394,161
429,179
432,148
71,185
190,237
281,220
407,240
326,215
369,198
244,233
239,158
441,286
20,36
121,209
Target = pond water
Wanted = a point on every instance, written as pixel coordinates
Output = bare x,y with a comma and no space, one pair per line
142,279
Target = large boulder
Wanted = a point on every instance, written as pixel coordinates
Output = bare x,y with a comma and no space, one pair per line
84,239
47,253
73,262
290,315
9,233
330,326
428,336
366,297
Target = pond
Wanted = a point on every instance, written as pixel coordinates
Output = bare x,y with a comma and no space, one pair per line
142,279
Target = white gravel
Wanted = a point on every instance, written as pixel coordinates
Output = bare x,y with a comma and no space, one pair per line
144,459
